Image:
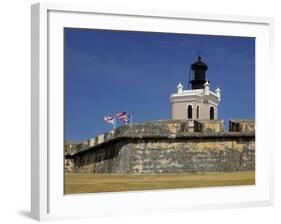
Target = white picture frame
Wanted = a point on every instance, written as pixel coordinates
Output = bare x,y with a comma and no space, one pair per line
48,201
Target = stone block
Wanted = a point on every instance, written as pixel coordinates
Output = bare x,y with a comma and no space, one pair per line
143,129
91,142
68,165
109,135
187,126
209,126
100,139
244,126
74,147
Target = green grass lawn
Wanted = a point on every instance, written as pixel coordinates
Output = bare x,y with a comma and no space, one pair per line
93,183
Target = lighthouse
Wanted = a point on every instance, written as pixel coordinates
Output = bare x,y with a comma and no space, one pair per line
198,102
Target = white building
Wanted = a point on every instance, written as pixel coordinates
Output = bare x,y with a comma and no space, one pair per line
199,102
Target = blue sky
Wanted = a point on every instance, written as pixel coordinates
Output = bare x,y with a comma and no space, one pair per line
110,71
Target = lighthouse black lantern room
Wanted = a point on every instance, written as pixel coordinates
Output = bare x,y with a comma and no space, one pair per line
199,69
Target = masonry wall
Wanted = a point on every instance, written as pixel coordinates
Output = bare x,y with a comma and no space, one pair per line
155,155
167,147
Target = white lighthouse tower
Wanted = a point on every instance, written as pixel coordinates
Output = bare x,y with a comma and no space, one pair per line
198,102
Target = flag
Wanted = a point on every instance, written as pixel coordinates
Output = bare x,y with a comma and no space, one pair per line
109,119
121,115
126,118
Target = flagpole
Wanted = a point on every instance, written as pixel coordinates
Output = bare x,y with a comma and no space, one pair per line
131,120
114,123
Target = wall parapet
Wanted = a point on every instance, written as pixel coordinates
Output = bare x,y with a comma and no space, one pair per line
242,126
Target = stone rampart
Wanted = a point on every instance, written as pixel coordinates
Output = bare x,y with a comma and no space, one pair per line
167,147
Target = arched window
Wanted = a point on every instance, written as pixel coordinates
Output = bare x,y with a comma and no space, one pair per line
212,113
189,112
197,112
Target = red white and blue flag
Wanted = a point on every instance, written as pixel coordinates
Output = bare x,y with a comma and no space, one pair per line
126,118
109,119
121,115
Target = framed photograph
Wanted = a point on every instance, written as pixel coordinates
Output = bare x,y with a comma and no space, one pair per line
148,111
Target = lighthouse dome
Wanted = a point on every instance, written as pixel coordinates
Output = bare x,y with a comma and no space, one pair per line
199,65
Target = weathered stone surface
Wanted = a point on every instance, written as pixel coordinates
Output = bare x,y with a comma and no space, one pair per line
141,129
169,156
109,135
75,147
166,147
68,165
187,126
99,139
91,142
208,126
246,126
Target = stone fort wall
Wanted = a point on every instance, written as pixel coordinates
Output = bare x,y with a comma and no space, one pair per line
167,147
